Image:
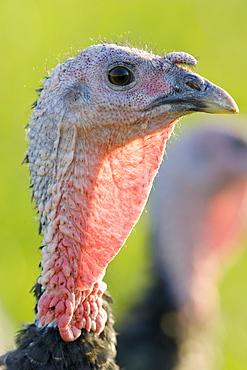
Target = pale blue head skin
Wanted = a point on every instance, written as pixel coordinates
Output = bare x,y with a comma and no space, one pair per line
100,101
79,94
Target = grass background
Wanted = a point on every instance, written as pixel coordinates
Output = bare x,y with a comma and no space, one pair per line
38,34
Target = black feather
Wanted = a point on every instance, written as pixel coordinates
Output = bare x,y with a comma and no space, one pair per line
41,348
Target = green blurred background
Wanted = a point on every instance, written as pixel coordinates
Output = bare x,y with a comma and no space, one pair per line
35,36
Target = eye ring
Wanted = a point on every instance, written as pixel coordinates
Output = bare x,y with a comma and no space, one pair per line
120,76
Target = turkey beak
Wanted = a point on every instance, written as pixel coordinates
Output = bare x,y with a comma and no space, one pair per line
213,99
194,93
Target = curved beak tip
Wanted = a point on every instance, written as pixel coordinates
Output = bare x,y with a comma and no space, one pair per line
228,105
219,101
234,108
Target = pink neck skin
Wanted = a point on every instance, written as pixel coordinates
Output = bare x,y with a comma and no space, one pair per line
91,215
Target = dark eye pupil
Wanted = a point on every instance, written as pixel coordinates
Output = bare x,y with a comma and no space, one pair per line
120,76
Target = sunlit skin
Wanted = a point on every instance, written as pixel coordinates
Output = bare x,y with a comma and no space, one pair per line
102,143
96,138
197,212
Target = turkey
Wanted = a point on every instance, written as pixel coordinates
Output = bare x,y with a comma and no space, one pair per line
96,139
197,213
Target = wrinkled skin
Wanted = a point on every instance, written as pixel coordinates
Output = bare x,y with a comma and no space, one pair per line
198,211
94,148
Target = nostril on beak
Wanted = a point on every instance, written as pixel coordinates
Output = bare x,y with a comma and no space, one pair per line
194,82
193,85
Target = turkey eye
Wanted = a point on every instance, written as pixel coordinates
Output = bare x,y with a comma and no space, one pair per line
120,76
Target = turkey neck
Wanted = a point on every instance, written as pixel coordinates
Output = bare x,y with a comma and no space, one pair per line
91,198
